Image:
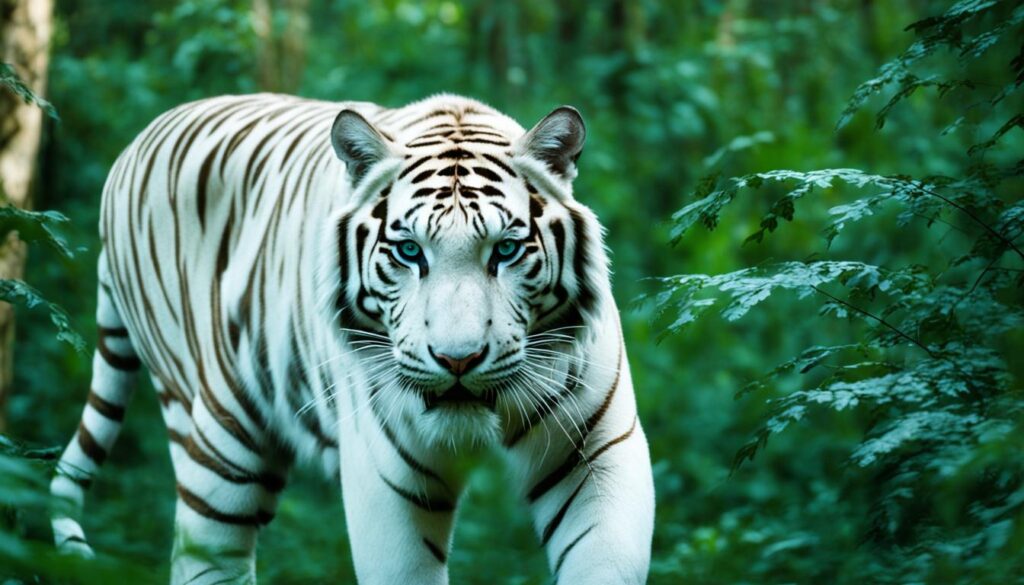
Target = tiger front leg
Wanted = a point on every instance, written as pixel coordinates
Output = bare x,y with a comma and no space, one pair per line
216,523
228,485
595,512
398,510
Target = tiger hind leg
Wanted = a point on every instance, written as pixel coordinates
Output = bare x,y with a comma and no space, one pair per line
114,368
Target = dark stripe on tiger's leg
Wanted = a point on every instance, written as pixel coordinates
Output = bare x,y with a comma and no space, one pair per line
601,450
113,380
575,458
90,446
408,457
556,520
555,477
205,509
268,481
420,501
568,548
225,495
114,412
212,543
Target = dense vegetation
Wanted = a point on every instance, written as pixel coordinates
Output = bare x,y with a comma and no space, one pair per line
871,172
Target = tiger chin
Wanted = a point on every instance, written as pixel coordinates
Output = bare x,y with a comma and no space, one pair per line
375,291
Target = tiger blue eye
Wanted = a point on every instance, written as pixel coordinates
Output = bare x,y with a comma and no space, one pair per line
409,250
507,248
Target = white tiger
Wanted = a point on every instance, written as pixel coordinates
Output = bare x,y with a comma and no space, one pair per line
377,290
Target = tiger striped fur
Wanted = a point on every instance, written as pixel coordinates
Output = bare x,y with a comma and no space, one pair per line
377,291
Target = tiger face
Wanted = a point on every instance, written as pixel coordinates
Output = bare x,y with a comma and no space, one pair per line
464,263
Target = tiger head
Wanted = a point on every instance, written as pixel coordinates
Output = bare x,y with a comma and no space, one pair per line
465,265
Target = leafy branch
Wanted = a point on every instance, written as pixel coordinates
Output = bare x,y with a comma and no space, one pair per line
954,410
17,292
10,80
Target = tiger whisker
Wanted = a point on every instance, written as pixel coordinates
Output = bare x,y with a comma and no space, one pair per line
575,447
551,385
326,393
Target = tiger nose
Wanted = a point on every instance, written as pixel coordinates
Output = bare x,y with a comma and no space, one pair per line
459,365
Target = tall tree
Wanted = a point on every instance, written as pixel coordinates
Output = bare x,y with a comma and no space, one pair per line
281,54
25,29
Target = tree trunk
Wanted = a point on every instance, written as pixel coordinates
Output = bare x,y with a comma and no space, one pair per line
25,27
281,57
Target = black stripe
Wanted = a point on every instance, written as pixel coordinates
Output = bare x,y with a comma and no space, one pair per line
435,550
555,477
435,114
413,167
123,363
270,482
571,545
409,459
575,458
342,235
90,446
421,502
586,298
456,153
108,409
383,276
72,538
423,176
423,192
175,437
201,186
600,451
500,164
82,482
552,526
487,173
427,143
603,408
472,129
203,508
481,141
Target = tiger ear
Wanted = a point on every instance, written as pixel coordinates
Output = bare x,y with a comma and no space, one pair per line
557,140
357,143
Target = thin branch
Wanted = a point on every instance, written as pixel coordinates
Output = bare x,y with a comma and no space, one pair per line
880,320
978,280
940,220
975,218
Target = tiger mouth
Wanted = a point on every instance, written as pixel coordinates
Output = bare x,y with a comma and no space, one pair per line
459,396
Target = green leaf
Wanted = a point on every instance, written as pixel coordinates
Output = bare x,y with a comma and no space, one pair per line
10,79
35,226
17,292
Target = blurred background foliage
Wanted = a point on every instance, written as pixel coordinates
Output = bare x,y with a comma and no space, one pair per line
676,94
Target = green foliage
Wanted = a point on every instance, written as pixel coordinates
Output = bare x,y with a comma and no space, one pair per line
34,226
10,80
38,226
24,476
950,30
930,366
17,292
